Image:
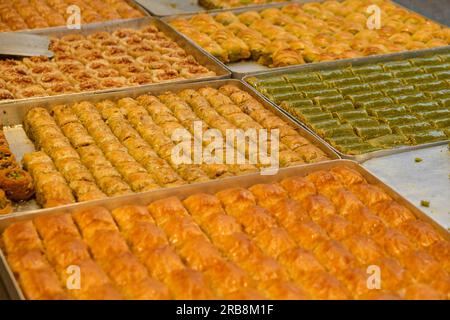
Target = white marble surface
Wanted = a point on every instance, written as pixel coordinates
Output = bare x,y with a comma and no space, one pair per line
427,180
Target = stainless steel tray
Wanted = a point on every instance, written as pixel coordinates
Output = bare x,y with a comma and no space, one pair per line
13,114
132,3
245,68
163,8
184,191
431,11
347,63
205,60
425,180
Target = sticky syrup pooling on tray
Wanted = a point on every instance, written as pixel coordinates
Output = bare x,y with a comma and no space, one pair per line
300,238
371,107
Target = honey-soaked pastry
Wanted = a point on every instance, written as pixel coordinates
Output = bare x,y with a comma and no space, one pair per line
144,236
288,212
128,273
422,292
307,234
346,202
51,188
325,182
355,280
286,36
394,242
285,290
366,250
334,256
237,198
237,243
226,277
203,206
21,236
188,284
268,194
163,210
420,232
107,243
129,216
181,229
238,246
366,221
161,262
221,225
274,241
300,263
27,260
318,206
322,285
392,213
50,226
423,266
17,184
64,251
96,285
254,219
298,187
369,194
199,253
336,226
41,284
5,203
440,250
84,63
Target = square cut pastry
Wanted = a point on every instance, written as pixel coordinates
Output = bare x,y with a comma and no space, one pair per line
420,232
268,194
188,284
298,187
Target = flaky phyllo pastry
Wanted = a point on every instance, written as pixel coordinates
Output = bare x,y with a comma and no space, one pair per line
36,14
99,61
312,32
312,237
89,151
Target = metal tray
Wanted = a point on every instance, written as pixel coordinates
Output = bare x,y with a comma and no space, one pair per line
431,9
163,8
347,63
13,114
245,68
132,3
184,191
210,62
429,181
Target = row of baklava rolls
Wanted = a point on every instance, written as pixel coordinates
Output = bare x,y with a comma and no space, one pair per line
115,148
15,183
99,61
311,32
34,14
223,4
312,237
